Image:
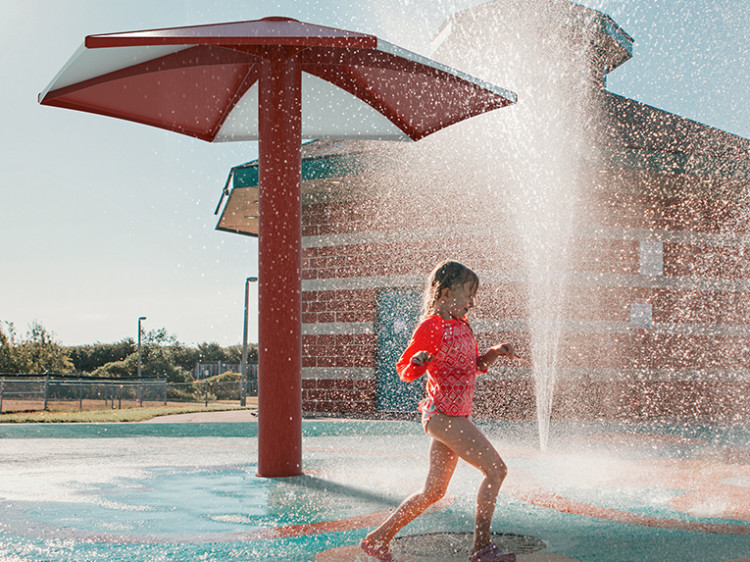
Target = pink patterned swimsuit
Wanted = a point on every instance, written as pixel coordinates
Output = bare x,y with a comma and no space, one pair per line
452,372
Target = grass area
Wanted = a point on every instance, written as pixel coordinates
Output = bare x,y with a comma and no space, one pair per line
109,415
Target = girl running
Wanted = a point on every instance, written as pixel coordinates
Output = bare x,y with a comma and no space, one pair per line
444,347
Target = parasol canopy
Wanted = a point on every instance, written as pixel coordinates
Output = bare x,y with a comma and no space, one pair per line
203,81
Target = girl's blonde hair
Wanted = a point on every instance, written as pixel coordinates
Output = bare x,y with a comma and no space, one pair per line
446,275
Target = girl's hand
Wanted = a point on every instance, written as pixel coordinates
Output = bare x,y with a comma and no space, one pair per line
506,350
485,361
421,358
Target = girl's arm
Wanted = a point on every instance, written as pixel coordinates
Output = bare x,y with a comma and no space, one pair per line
422,348
494,353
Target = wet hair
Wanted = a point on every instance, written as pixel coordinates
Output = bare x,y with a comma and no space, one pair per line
446,275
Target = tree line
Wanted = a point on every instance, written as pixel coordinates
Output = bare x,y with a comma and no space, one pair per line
161,355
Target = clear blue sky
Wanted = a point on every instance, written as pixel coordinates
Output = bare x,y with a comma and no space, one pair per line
102,221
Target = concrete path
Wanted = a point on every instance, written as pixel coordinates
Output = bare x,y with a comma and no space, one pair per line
237,415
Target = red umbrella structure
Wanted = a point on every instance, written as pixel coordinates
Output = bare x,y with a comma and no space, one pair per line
276,80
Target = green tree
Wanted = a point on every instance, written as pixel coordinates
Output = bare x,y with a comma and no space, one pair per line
159,337
36,353
211,352
8,354
234,353
88,358
184,357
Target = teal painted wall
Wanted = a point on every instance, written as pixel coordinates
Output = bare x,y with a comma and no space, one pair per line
397,316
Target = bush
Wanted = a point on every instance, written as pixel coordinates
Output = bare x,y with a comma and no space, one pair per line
185,392
88,358
225,386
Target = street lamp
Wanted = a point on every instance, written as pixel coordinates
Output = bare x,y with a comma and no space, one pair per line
140,400
243,363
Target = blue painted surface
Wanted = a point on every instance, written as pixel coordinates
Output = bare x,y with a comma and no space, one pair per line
311,428
397,316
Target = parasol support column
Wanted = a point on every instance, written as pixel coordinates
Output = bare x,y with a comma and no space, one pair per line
280,265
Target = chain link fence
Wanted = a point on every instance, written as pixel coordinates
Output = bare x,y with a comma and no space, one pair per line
208,369
52,391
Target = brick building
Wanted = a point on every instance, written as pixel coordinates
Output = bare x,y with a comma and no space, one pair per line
654,303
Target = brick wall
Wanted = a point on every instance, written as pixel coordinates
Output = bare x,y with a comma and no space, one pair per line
338,396
657,309
691,364
691,402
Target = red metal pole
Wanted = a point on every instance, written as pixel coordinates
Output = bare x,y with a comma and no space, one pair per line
279,267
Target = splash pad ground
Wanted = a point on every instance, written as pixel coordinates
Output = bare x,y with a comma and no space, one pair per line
188,491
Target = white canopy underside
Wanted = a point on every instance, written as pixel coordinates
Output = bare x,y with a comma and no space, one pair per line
328,112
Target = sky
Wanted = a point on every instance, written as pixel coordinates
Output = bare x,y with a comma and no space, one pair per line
103,221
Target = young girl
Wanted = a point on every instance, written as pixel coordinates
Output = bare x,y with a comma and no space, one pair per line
443,346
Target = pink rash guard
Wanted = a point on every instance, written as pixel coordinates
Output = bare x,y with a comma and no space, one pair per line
453,370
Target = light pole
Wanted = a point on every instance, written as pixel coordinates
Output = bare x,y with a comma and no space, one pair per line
140,319
243,363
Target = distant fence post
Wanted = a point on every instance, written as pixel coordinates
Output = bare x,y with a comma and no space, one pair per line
80,394
252,379
46,389
2,390
243,384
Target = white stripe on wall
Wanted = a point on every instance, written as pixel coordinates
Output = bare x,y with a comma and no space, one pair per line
482,326
326,373
580,279
338,328
564,374
594,232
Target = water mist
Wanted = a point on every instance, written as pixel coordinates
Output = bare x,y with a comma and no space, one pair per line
514,176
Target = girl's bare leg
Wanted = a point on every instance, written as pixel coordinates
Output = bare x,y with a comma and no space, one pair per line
462,437
442,465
